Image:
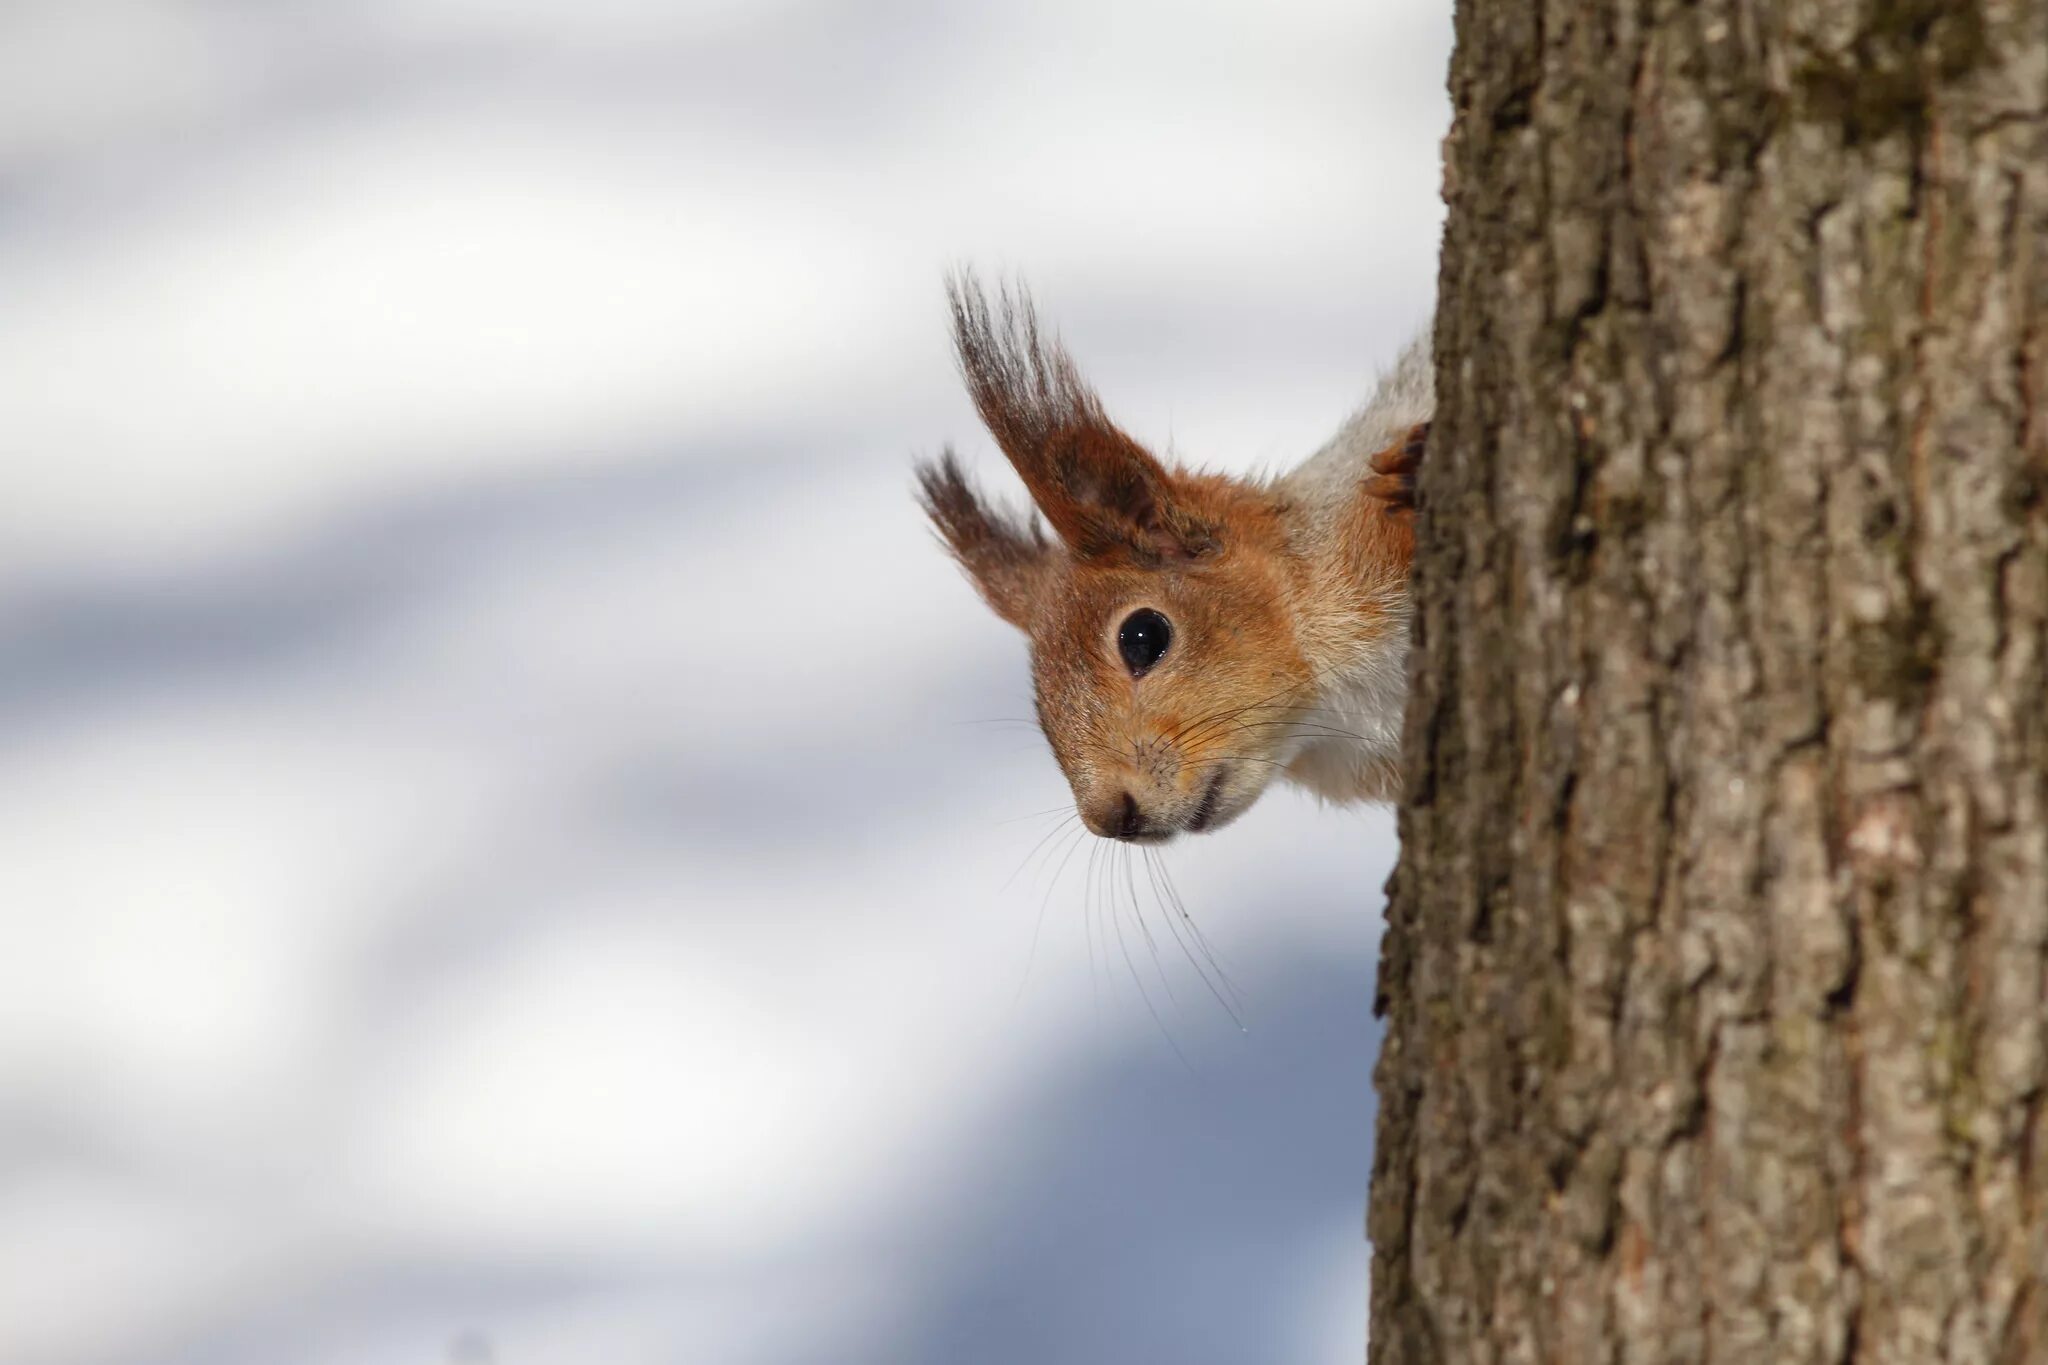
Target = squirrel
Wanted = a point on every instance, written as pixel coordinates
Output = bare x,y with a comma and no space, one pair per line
1193,636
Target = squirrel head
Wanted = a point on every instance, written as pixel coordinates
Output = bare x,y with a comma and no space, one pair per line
1165,655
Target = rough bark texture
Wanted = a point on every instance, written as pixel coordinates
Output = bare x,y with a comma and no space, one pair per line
1715,959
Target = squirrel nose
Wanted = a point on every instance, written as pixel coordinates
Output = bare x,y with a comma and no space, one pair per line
1133,819
1116,816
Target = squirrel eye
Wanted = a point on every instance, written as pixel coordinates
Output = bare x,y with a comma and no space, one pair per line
1142,639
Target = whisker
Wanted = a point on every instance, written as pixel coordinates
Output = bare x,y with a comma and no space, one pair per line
1050,835
1307,729
1124,947
1145,928
1298,722
1218,987
1270,698
1088,921
1184,733
1038,925
1037,815
1201,940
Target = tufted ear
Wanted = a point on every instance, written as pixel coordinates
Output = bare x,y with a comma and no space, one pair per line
1006,556
1105,495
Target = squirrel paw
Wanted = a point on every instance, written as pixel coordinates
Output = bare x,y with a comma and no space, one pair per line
1393,470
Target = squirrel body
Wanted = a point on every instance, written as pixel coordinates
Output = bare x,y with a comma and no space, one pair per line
1193,636
1357,591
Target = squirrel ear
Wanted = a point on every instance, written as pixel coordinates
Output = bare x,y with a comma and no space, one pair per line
1102,492
1007,557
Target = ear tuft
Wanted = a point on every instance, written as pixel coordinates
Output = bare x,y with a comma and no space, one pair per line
1006,556
1103,493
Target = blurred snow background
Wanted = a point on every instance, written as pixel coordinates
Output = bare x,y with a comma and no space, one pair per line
513,844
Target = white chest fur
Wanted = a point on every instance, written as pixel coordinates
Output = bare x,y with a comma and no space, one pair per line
1347,747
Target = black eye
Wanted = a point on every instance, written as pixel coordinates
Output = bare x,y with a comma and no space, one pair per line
1142,639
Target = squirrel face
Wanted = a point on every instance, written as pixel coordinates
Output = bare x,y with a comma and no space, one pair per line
1167,692
1165,660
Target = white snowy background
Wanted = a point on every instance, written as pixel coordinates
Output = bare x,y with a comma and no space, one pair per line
514,844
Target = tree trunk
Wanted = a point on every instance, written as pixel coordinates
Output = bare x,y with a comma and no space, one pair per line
1714,970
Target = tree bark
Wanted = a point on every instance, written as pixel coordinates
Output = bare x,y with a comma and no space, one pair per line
1716,968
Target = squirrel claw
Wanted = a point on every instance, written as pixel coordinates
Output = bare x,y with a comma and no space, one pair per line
1393,480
